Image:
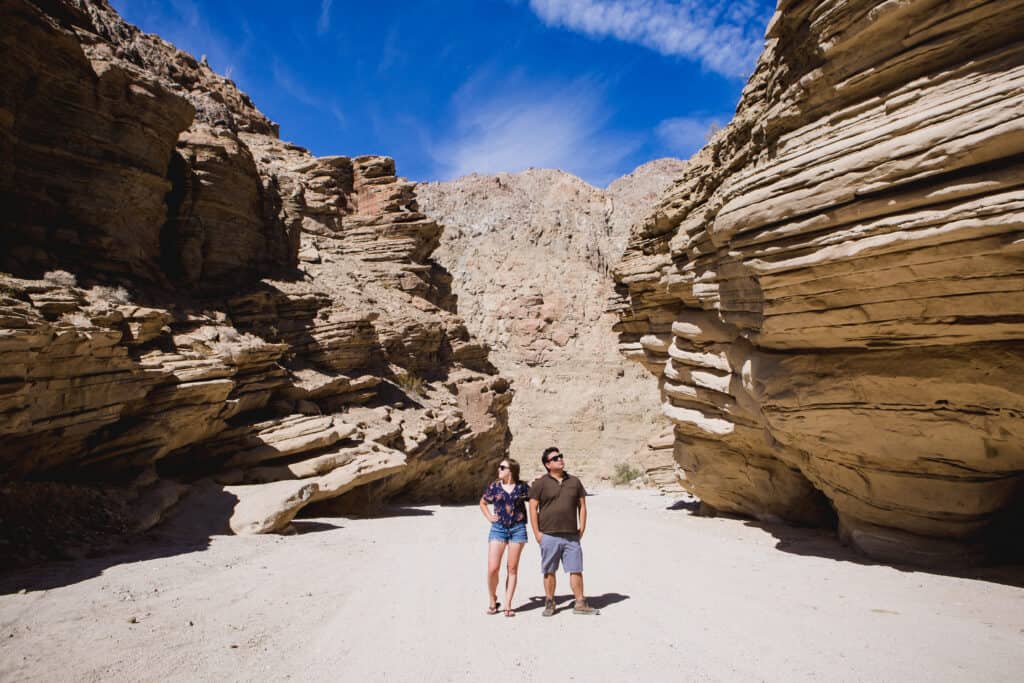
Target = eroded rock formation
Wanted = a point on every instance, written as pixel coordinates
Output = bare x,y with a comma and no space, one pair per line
832,295
530,255
186,298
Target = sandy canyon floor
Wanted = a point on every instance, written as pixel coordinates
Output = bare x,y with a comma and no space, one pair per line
401,597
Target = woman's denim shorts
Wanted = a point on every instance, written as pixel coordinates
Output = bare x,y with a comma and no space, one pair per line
508,534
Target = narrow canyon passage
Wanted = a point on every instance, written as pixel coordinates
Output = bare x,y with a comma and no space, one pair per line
402,597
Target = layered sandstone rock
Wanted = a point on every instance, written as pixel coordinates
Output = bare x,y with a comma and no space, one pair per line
186,297
530,254
831,296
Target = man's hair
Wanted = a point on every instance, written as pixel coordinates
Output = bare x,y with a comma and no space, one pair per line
548,451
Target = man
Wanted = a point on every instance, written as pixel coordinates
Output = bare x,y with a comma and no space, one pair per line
555,500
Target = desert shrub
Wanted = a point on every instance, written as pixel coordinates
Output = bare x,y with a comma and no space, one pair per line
412,383
77,319
228,334
230,343
60,278
113,295
625,473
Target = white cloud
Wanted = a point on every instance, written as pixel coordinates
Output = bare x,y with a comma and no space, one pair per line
292,86
511,125
181,23
339,115
287,82
685,135
725,37
323,24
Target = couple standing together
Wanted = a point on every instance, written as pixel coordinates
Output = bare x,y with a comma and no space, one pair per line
555,500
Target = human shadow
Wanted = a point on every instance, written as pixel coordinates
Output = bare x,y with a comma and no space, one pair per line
605,599
563,602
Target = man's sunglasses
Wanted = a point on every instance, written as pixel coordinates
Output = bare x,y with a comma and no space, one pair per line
555,457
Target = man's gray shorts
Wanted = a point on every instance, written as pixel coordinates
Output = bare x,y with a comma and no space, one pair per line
560,547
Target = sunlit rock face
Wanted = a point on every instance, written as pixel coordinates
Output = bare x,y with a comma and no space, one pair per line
832,297
184,297
530,255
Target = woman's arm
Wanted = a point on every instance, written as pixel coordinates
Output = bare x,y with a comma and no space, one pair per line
487,512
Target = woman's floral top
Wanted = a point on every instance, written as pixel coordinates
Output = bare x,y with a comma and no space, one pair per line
509,507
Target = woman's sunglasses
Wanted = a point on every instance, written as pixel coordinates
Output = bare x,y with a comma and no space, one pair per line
502,467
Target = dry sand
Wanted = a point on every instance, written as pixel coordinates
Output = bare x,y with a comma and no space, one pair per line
402,598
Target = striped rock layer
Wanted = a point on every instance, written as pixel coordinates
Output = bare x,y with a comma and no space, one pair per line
192,307
832,295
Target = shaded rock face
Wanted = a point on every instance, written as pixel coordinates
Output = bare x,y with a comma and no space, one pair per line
530,255
186,298
79,141
223,225
831,295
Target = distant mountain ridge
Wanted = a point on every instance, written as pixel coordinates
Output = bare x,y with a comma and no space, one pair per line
531,255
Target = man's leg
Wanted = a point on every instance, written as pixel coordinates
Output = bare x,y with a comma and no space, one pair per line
550,554
549,586
573,561
576,581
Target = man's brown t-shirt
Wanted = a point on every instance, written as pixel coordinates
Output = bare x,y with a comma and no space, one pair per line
556,512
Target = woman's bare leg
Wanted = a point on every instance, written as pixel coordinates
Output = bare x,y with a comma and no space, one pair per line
495,549
514,551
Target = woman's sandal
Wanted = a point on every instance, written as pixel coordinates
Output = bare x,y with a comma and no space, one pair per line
510,613
493,609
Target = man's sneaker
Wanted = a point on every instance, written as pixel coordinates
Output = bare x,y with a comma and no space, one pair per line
549,608
584,608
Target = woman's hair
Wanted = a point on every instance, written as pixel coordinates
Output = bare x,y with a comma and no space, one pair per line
513,465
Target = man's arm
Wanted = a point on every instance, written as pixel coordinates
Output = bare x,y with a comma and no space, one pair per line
582,505
534,503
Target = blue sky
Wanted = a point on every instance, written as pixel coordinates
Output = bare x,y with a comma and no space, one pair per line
449,87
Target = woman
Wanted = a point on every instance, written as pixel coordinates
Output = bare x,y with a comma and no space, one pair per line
508,528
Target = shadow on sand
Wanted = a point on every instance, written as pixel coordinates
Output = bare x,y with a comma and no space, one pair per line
392,511
811,542
180,534
564,602
309,526
692,506
190,530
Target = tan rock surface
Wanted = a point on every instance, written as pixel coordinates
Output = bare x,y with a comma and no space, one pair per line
831,294
530,254
186,298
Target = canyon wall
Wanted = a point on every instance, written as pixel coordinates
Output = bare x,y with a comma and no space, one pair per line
832,297
530,254
193,309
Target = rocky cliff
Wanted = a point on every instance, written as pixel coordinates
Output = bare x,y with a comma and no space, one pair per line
530,255
192,308
831,297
